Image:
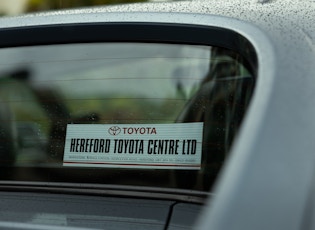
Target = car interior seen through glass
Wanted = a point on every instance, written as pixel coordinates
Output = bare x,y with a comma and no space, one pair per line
148,114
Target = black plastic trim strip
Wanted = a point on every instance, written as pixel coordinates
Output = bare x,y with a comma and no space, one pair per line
129,32
177,195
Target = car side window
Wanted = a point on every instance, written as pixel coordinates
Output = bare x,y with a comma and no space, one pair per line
164,110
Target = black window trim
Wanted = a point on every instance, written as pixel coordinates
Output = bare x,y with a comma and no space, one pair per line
146,32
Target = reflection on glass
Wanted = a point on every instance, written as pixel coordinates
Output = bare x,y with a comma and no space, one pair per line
44,88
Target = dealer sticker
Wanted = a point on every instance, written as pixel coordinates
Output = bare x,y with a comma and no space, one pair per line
146,146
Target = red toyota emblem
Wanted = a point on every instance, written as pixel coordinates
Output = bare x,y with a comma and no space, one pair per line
114,130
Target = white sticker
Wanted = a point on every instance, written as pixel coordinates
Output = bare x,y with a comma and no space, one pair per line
154,146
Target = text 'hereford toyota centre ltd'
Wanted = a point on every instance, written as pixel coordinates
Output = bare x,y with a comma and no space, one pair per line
175,145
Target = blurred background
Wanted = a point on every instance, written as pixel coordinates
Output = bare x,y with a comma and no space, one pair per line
17,7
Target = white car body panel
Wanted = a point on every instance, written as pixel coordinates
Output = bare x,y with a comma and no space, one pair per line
268,180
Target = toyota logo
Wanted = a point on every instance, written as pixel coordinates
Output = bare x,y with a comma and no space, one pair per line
114,130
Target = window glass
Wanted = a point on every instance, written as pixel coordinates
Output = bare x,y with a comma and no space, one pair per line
161,115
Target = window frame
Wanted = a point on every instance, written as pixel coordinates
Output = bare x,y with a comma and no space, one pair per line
142,32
